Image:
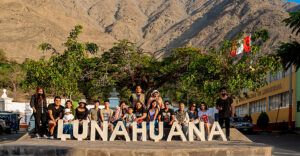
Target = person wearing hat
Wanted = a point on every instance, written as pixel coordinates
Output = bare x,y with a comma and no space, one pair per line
155,96
81,112
55,112
137,96
68,117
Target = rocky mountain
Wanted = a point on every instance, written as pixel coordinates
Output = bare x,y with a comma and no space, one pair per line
153,24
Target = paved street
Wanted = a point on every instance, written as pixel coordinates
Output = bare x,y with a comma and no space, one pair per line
6,138
284,145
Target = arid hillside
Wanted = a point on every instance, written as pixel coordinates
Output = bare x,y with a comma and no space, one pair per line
152,24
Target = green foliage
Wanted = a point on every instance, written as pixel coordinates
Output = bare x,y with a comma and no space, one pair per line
11,74
187,74
62,72
263,121
289,52
293,21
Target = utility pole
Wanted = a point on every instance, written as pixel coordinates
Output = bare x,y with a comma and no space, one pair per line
290,98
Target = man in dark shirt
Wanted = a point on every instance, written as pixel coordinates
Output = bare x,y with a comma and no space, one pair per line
225,107
167,115
55,112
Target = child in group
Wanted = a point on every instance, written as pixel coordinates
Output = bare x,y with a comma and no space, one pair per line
68,117
128,119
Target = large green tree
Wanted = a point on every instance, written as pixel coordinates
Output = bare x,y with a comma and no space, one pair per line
289,53
62,72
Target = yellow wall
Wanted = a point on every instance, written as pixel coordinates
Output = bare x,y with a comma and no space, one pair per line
276,87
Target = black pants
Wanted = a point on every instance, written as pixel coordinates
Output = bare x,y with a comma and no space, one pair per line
227,125
40,122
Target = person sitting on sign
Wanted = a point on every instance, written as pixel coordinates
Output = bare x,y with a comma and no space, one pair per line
68,118
182,117
167,116
55,112
121,109
94,113
106,115
128,119
205,116
193,113
152,114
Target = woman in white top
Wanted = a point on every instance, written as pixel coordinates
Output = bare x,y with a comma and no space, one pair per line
205,116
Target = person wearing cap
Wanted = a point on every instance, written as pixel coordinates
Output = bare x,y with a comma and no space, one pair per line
55,112
81,112
68,117
137,96
155,96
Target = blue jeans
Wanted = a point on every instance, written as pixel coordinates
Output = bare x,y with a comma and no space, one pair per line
216,116
68,129
155,125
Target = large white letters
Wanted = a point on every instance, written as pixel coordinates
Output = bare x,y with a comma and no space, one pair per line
176,130
60,129
102,132
84,133
199,133
136,130
219,131
116,132
177,133
160,135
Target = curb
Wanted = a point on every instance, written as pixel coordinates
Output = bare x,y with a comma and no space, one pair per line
25,136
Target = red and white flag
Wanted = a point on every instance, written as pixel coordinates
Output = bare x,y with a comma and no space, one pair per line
244,46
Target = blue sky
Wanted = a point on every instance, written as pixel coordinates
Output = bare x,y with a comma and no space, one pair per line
297,1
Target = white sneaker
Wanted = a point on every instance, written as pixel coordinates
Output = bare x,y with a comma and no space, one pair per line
45,136
51,137
38,136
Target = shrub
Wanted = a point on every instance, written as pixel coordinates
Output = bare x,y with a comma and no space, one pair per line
263,121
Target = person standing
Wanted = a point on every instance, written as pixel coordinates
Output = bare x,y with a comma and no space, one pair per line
137,96
155,96
38,104
225,107
182,117
55,112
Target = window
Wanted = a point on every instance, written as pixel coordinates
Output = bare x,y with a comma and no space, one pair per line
276,76
241,110
280,74
257,106
279,101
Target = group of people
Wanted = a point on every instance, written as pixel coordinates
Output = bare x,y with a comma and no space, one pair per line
140,109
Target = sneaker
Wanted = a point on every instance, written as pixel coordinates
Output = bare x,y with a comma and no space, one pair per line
51,137
38,136
45,136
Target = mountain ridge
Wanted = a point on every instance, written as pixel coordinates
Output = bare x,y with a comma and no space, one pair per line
155,25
